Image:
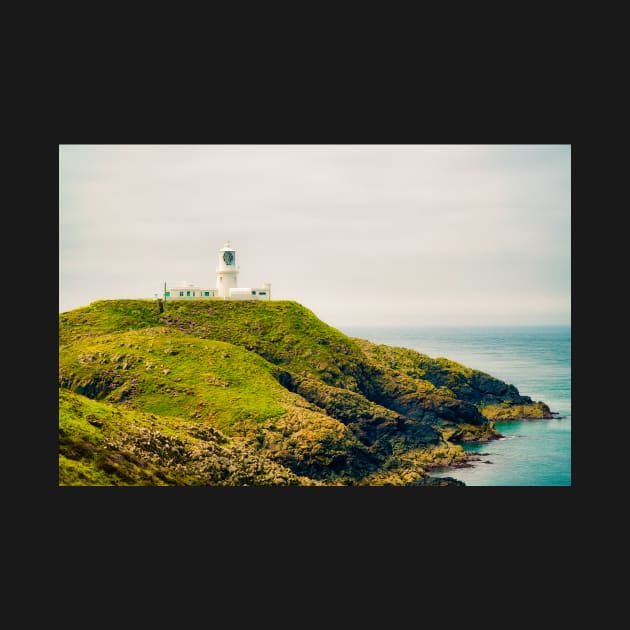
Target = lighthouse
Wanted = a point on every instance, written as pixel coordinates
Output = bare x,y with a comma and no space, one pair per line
227,271
227,275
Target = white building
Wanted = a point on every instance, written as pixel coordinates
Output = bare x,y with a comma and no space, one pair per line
226,285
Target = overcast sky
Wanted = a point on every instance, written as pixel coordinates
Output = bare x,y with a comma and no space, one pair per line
359,234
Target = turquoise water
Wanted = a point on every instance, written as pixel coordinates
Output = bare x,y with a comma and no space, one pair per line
537,361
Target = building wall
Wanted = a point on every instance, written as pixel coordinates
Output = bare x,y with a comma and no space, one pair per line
248,293
197,293
190,293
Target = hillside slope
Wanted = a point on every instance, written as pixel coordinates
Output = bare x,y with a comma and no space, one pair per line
103,445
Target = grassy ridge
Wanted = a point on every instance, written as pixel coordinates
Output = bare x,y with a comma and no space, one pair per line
283,332
167,372
105,316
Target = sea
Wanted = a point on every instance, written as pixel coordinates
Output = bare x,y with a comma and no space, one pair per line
537,361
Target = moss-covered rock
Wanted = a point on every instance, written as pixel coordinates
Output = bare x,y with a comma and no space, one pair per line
510,411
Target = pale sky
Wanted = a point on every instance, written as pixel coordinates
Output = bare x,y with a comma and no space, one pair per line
359,234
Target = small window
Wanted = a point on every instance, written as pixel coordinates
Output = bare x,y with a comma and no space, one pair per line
262,292
253,292
167,294
187,293
181,294
193,294
206,293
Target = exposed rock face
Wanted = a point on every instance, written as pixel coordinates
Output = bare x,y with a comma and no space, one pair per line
375,426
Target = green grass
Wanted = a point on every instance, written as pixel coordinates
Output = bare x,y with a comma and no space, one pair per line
283,332
103,445
105,316
87,451
170,373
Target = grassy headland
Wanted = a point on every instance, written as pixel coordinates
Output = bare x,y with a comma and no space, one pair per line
255,393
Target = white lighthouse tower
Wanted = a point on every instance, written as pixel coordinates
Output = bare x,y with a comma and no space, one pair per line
227,271
227,276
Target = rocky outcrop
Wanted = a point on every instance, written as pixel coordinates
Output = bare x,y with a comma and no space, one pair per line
100,444
376,426
438,481
456,393
505,411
